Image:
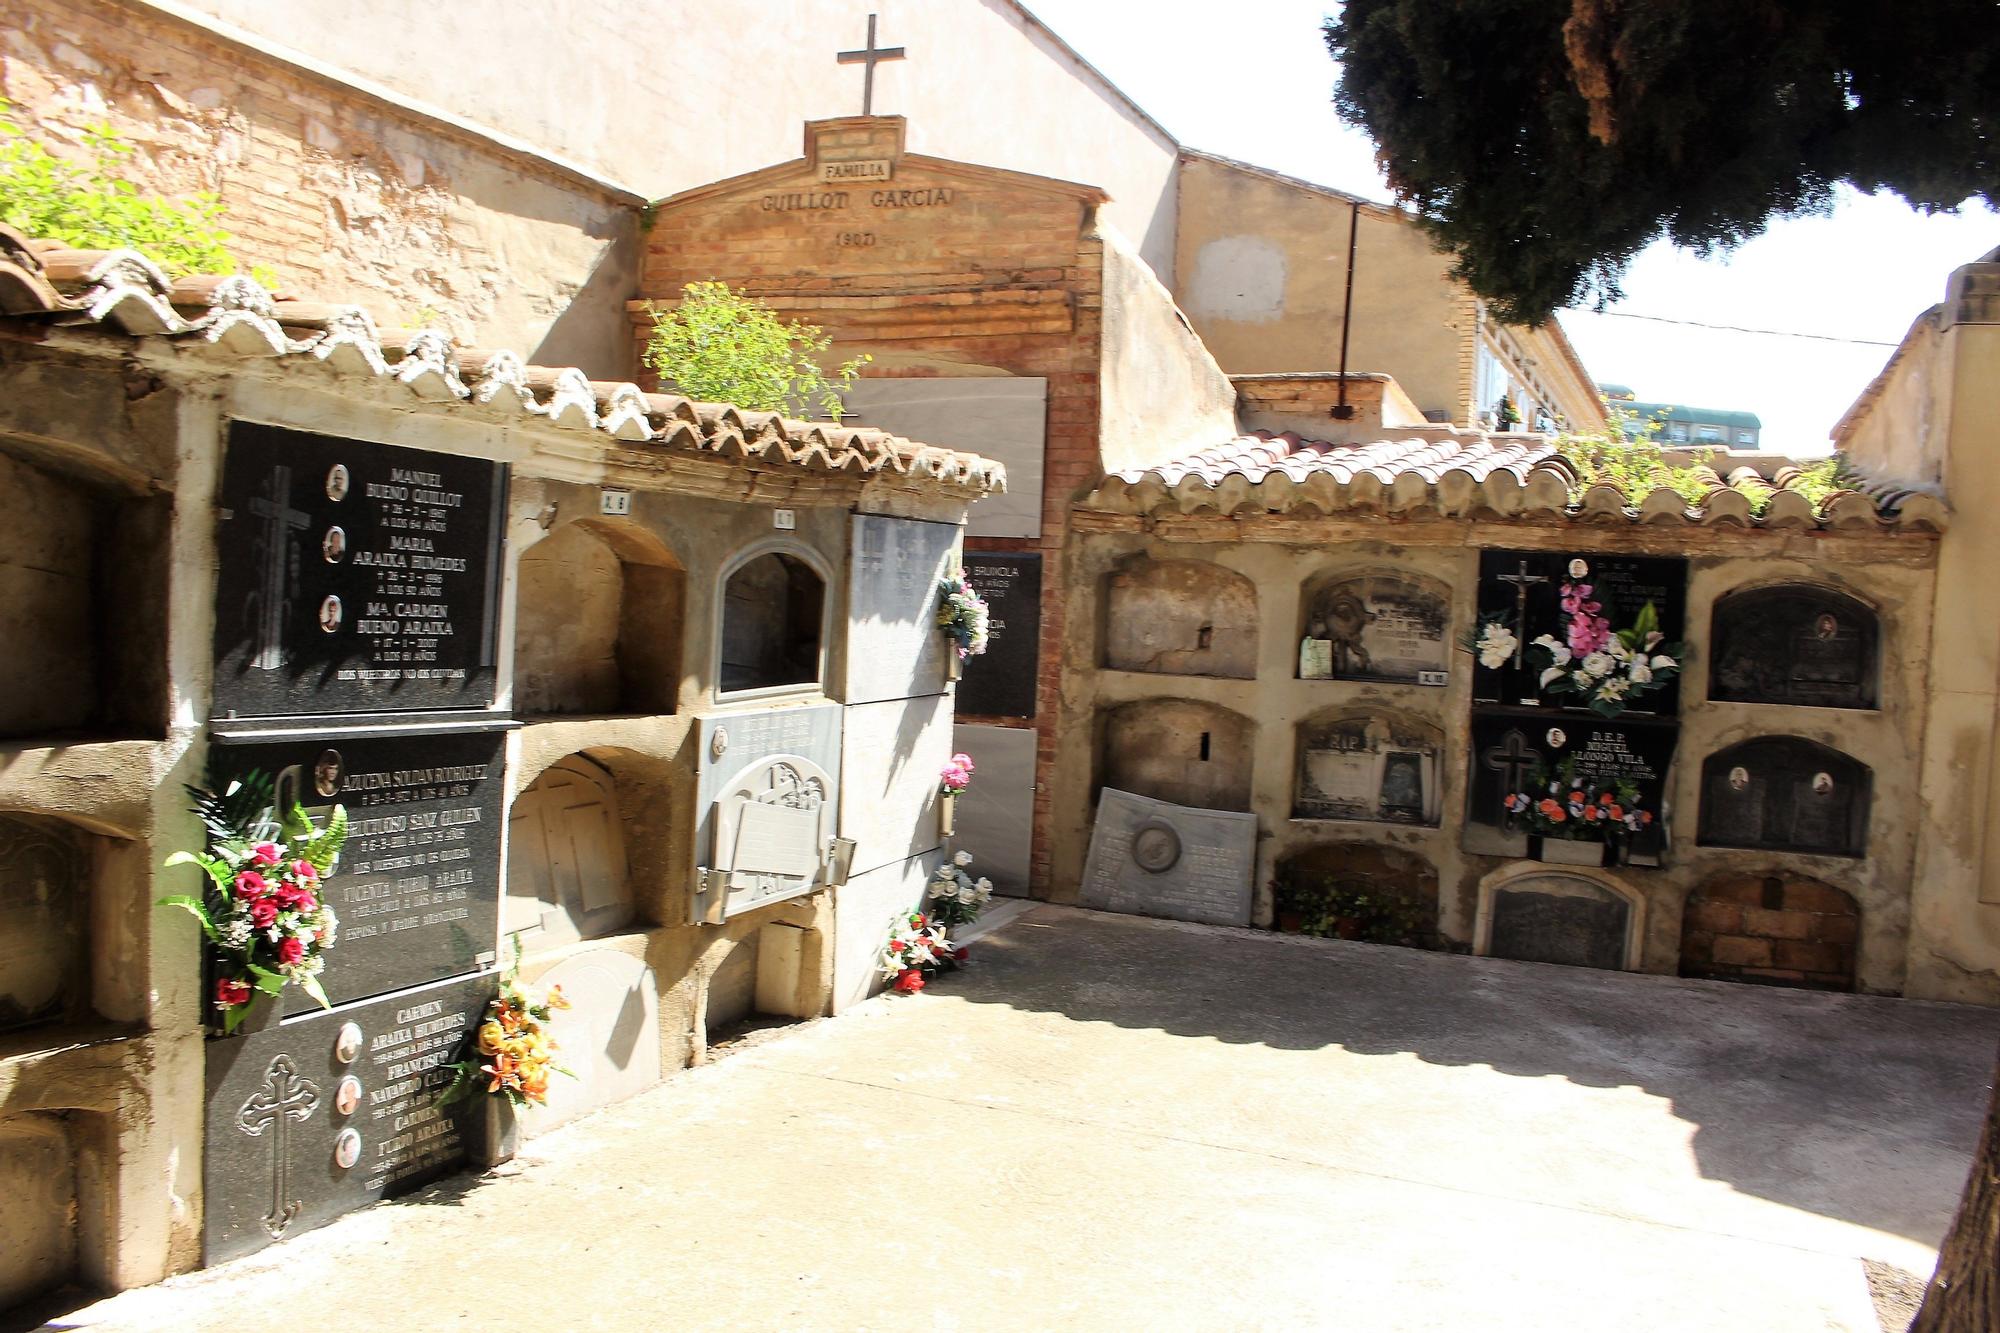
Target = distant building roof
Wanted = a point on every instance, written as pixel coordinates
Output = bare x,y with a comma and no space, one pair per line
1706,416
1615,391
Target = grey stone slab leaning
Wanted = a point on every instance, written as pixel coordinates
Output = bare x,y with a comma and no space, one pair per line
1153,858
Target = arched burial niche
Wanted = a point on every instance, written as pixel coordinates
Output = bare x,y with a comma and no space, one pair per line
1381,627
567,874
1795,644
1774,930
1786,794
1368,766
83,605
45,893
1542,916
1384,895
38,1179
1181,618
598,622
774,621
1180,750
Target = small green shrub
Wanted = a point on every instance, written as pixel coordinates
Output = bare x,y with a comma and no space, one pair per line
1329,908
720,346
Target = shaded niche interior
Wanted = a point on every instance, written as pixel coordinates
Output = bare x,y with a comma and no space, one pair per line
1375,767
1384,627
1182,618
82,606
1397,892
567,871
1771,930
38,1179
1180,750
599,623
772,621
45,888
1785,793
1795,644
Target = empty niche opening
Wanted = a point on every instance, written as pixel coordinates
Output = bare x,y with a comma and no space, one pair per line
1795,644
38,1179
1785,793
46,878
1355,891
1180,750
568,876
598,623
773,624
82,606
1181,617
1771,930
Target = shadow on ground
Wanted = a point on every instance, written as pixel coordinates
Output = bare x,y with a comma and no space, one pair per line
1808,1099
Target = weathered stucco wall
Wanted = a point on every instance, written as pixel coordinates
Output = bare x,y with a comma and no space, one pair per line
342,196
583,79
1162,396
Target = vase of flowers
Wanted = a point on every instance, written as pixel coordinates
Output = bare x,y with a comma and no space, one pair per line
507,1062
263,910
1605,670
953,778
1576,820
963,616
920,944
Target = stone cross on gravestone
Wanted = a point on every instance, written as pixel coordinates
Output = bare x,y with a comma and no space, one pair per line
1521,579
272,596
1512,761
870,56
285,1097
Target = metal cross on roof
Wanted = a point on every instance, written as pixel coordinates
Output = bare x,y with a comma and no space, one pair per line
870,56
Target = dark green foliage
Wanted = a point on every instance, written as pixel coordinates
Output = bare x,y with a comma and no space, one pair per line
1546,142
229,808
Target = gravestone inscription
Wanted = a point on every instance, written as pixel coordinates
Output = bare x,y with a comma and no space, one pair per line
1153,858
1378,627
1559,919
354,576
1794,645
1523,590
417,889
1001,681
767,794
894,647
1510,747
1370,768
324,1113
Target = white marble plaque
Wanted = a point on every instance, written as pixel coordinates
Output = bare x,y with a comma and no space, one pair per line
889,778
610,1034
1153,858
996,815
999,417
773,824
893,646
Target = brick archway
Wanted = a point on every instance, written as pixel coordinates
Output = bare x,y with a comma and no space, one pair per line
1771,930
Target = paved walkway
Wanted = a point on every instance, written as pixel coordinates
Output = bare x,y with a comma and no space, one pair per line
1116,1123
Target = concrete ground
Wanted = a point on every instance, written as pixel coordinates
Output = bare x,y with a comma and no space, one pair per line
1116,1123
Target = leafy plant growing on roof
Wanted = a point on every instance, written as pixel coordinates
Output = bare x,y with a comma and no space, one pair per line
721,346
87,204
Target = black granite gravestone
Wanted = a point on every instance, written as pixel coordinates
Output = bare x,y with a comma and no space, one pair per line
1785,793
1001,681
1511,744
354,576
323,1113
1794,645
1559,919
1523,591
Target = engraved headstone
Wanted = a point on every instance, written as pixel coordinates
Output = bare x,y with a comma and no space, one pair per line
1784,793
1794,645
1153,858
1378,627
1001,681
1509,746
1369,768
767,796
894,647
1523,591
302,1127
354,576
1559,919
417,888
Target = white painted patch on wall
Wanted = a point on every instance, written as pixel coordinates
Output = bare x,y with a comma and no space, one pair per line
1238,277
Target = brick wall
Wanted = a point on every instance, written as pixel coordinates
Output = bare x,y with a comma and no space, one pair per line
1768,929
942,269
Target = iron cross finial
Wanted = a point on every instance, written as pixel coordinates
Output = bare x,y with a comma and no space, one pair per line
870,56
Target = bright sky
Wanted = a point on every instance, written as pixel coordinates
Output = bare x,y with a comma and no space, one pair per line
1252,80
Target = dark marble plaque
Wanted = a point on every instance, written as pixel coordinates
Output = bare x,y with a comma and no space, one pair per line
354,577
1794,645
1001,681
1523,590
1785,793
273,1141
1558,919
417,889
1509,744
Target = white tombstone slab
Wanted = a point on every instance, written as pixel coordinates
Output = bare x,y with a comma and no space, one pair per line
733,759
773,824
1153,858
894,648
609,1036
996,815
1004,418
889,778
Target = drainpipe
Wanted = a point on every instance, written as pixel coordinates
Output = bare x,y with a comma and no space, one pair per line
1344,410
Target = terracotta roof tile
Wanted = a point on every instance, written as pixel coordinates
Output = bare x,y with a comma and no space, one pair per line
123,291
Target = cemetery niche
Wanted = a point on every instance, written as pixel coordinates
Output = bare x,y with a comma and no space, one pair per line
598,622
1180,750
1377,627
1524,593
566,861
1516,755
773,624
45,898
354,576
1374,767
1181,617
1155,858
1787,794
1001,681
768,796
1357,891
1795,644
1559,918
1772,930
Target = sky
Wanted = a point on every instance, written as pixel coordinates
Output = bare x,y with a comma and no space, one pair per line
1252,80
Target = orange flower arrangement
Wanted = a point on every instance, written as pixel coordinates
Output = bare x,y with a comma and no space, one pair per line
512,1052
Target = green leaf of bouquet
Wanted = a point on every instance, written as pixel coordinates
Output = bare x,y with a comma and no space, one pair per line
323,849
310,985
264,979
195,906
232,1017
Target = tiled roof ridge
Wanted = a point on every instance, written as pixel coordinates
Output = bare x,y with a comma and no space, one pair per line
1455,472
125,291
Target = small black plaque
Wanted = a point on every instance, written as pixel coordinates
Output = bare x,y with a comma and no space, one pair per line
1001,681
353,576
417,889
1794,645
1580,925
1523,591
274,1118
